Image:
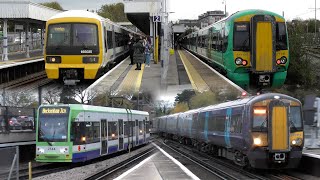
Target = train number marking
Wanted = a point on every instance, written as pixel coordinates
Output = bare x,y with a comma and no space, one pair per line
86,51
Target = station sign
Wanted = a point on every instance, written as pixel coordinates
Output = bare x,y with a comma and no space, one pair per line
156,18
18,27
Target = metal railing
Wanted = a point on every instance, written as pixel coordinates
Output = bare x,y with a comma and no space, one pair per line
21,47
9,164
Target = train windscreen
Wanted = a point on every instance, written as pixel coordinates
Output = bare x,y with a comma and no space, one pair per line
281,36
241,38
295,118
72,38
53,124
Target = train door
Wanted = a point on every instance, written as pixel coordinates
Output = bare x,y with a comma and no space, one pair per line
263,34
144,130
121,135
137,132
104,137
279,126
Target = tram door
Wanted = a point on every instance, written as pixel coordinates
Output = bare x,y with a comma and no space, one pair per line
104,137
121,136
137,132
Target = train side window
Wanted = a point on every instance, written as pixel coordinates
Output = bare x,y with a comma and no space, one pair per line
281,36
202,118
112,130
241,37
147,127
109,39
140,128
126,128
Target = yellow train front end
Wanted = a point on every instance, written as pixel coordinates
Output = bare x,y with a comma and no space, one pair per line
73,48
276,134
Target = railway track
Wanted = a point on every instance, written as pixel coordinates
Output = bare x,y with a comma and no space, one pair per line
253,174
104,174
215,166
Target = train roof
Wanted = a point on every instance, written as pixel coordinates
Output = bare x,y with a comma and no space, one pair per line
98,109
78,13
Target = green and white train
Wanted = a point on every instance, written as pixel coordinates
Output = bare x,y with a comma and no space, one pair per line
250,47
77,133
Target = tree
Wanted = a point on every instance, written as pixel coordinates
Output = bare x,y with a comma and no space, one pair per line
185,96
19,99
114,12
180,107
53,5
52,97
202,99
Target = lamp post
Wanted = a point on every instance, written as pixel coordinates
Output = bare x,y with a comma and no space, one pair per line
225,7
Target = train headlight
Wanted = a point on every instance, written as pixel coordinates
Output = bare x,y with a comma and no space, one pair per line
257,141
238,61
53,59
283,60
296,142
88,60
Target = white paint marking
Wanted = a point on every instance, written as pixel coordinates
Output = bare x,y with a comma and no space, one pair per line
13,63
186,170
223,77
134,168
312,155
104,76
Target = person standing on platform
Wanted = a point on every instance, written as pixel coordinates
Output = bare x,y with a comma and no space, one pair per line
148,51
138,55
131,50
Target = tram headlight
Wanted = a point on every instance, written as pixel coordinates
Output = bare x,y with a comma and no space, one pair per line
238,61
257,141
88,60
40,150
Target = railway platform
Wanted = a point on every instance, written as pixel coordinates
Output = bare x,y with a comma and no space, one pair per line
159,166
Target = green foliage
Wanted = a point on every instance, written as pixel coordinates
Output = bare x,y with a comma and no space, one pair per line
185,96
53,5
114,12
301,69
202,100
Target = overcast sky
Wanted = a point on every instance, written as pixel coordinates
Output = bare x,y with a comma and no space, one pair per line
185,9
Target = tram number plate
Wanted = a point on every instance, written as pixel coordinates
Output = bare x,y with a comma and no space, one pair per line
51,148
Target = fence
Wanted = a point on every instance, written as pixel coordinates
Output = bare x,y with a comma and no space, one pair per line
17,118
9,164
17,47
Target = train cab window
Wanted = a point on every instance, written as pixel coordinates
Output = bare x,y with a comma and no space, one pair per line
112,130
295,118
281,36
241,37
105,39
260,119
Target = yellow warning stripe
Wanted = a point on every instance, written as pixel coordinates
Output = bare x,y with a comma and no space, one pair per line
132,82
198,84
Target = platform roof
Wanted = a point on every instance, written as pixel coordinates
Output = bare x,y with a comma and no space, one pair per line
24,9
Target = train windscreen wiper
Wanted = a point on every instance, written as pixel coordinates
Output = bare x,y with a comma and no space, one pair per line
262,124
293,126
43,137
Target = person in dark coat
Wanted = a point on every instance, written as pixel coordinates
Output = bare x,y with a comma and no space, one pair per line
138,55
131,50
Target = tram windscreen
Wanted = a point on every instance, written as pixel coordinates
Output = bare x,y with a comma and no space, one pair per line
53,124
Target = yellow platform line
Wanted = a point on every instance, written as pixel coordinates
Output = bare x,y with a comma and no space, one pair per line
132,82
198,84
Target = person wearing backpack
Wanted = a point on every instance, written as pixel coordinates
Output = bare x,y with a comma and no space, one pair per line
148,51
138,54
